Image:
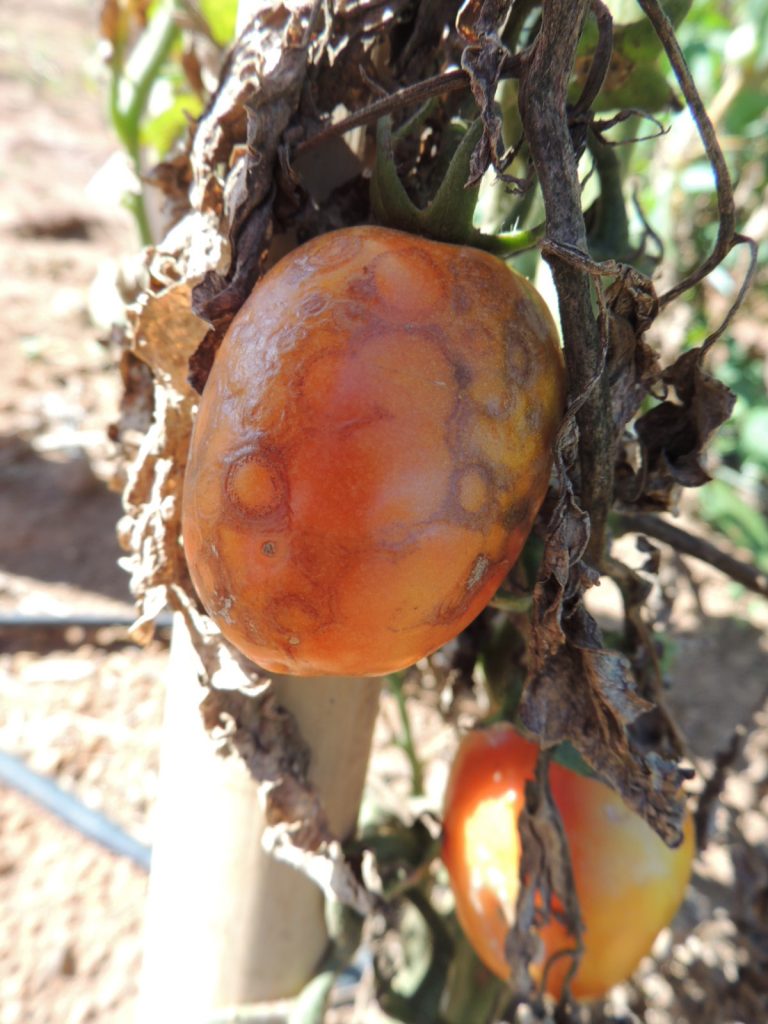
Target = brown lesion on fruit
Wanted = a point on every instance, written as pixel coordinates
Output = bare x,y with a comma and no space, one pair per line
478,571
312,306
377,414
518,358
294,616
534,417
322,253
362,287
456,605
474,283
516,514
472,497
256,486
220,604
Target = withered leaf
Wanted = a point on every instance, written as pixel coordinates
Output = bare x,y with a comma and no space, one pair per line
675,433
577,690
255,728
631,364
483,57
546,881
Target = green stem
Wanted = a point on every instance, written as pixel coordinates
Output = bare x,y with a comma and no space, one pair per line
472,993
130,89
138,208
609,238
405,741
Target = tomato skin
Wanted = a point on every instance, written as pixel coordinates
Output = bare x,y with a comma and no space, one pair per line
372,446
628,882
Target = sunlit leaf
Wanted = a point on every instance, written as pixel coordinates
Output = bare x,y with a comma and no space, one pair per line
221,17
164,129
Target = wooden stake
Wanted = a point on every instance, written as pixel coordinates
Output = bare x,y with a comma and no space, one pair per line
227,924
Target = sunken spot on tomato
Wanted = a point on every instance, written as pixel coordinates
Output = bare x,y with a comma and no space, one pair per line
255,485
409,286
473,489
295,614
312,306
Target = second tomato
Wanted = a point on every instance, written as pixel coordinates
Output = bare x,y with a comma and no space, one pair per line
628,882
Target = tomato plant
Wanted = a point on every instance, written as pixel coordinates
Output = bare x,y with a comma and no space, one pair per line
628,882
372,446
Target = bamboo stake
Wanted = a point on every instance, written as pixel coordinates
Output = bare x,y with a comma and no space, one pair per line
227,924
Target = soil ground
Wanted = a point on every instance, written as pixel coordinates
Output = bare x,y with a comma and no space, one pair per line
83,706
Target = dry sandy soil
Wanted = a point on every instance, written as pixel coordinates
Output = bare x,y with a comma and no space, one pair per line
81,705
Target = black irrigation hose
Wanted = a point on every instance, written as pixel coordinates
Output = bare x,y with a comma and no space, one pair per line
44,791
69,809
83,620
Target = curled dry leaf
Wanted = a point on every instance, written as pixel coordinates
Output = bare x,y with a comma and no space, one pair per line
479,22
631,365
546,875
577,690
257,96
256,729
674,434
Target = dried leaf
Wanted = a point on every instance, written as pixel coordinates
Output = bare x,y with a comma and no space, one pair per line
674,434
220,196
546,881
631,364
260,732
479,22
577,690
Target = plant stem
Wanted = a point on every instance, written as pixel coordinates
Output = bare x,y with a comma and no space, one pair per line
405,741
697,547
543,93
131,86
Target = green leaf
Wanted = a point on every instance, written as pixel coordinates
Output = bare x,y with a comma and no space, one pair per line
415,992
221,18
747,111
160,132
754,436
638,41
645,88
723,508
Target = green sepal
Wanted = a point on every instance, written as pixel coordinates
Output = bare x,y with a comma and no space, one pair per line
448,217
567,756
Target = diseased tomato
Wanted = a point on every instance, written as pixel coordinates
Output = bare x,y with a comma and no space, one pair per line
371,449
628,882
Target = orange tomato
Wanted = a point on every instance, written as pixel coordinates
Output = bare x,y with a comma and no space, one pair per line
372,446
628,882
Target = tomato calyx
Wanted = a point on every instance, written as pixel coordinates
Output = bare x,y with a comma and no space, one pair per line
448,217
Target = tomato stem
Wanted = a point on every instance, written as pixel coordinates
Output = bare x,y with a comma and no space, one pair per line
405,740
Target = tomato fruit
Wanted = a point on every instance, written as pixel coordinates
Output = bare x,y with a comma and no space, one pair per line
628,882
371,448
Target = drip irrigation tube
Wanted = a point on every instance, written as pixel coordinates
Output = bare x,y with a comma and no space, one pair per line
69,809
